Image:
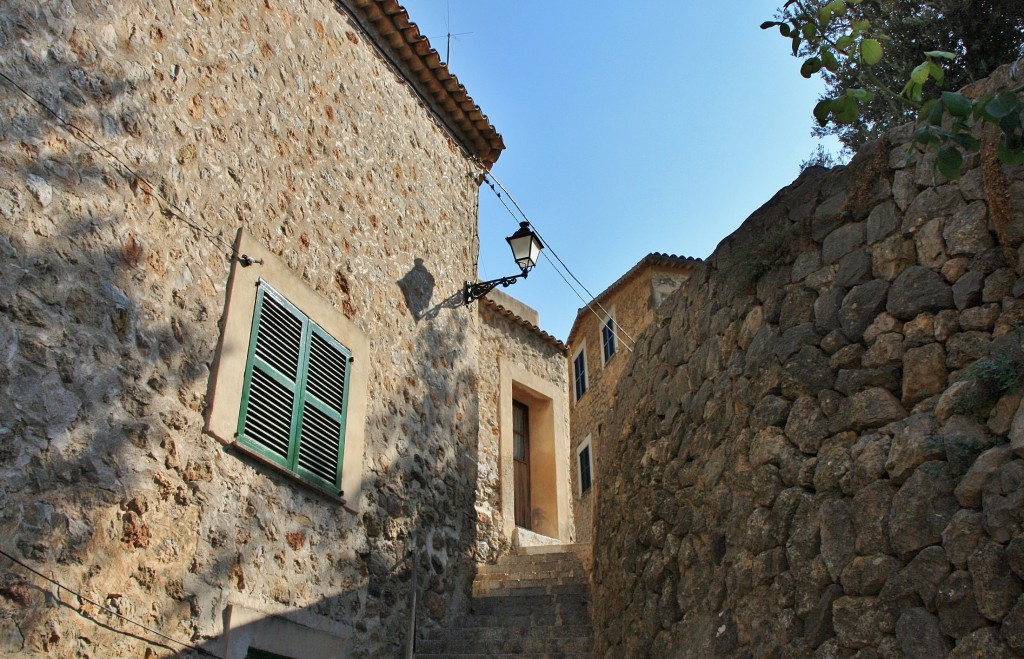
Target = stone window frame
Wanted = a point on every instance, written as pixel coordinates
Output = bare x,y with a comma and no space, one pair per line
228,373
551,489
576,393
585,445
609,324
247,627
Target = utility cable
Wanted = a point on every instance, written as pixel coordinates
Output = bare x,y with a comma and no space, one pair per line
553,265
607,317
112,612
85,138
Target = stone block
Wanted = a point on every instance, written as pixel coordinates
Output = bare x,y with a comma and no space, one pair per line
919,581
924,373
860,307
996,588
841,242
922,508
861,621
918,289
917,632
966,232
865,575
870,510
969,491
874,407
981,643
881,222
956,606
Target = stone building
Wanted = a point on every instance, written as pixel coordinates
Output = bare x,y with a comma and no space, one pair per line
240,398
600,332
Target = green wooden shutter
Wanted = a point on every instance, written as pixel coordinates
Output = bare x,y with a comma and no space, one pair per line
294,394
322,434
270,393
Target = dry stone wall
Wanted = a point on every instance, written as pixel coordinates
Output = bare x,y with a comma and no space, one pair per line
280,118
819,449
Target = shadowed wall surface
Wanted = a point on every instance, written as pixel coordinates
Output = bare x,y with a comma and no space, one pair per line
818,447
279,118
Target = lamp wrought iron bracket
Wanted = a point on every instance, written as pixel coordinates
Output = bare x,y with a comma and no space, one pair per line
476,290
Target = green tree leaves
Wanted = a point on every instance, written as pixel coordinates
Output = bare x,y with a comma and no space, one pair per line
871,51
838,40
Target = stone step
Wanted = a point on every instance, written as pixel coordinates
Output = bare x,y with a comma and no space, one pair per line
551,569
541,559
506,633
528,591
523,620
483,588
519,644
518,655
538,607
534,603
524,575
571,549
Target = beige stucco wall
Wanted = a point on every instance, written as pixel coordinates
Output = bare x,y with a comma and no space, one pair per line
516,360
277,118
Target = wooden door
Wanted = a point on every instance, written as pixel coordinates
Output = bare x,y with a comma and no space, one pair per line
521,462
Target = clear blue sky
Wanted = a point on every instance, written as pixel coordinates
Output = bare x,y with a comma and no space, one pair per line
630,127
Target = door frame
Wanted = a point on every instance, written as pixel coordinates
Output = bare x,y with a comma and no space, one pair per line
550,487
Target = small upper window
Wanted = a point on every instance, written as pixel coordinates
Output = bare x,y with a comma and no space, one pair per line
608,338
294,393
585,462
579,366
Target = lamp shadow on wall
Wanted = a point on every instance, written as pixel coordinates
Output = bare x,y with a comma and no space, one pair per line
417,287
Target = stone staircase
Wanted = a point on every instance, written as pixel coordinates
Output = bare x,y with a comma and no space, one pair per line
533,603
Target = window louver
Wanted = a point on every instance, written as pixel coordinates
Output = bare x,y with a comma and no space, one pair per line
293,398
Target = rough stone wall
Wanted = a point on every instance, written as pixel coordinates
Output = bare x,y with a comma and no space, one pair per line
502,338
633,306
277,117
819,448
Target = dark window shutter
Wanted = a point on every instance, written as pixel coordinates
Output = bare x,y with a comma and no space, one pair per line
585,469
580,368
608,339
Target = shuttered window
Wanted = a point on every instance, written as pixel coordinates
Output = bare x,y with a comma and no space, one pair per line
579,366
294,395
585,469
608,339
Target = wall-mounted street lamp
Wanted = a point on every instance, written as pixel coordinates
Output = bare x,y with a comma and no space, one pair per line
526,247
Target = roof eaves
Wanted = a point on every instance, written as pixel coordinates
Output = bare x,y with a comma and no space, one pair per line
464,118
519,320
652,260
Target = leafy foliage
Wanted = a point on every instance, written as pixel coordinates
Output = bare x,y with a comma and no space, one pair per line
820,158
865,49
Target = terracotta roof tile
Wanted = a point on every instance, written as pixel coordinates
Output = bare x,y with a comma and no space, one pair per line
519,320
390,21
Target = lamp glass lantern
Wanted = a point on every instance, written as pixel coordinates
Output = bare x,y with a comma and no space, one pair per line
526,247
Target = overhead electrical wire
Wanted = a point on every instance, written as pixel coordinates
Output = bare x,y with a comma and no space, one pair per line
607,317
85,138
107,609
